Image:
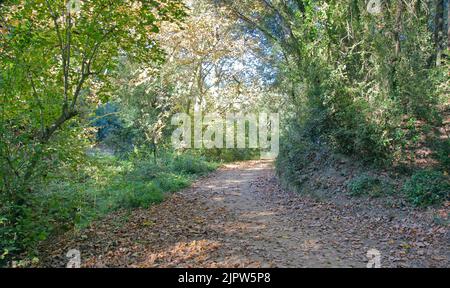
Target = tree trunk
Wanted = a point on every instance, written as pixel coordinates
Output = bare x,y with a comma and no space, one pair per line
439,31
398,28
448,26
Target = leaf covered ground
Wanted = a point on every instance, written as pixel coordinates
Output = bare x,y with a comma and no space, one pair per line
239,216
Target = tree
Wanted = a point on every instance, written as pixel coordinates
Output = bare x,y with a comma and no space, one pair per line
63,57
353,75
56,63
205,59
439,30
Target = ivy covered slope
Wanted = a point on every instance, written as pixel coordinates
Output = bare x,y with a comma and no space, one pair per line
369,84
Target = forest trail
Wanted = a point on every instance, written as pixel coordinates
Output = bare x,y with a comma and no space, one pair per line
239,216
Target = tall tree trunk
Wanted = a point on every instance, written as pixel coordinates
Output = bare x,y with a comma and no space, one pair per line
398,28
397,31
439,31
448,26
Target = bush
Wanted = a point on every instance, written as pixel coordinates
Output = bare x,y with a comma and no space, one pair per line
190,164
170,182
139,195
292,159
146,182
69,199
7,240
427,187
231,155
441,152
369,185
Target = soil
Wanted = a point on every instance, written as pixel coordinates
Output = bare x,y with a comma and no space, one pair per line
240,216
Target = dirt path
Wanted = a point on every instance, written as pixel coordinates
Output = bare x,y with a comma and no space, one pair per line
240,217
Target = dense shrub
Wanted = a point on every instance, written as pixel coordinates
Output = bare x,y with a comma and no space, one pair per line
191,164
292,159
68,200
139,194
366,184
231,155
442,152
171,182
427,187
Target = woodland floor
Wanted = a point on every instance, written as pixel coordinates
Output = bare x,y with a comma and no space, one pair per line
239,216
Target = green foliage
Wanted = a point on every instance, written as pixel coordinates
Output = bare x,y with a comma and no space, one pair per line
359,84
140,194
7,243
190,164
354,87
442,151
171,182
231,155
352,82
294,152
69,199
372,186
55,69
427,187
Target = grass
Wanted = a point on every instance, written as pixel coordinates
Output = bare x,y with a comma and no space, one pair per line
69,200
124,184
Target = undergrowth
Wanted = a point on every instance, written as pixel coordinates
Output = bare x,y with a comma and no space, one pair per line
68,200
